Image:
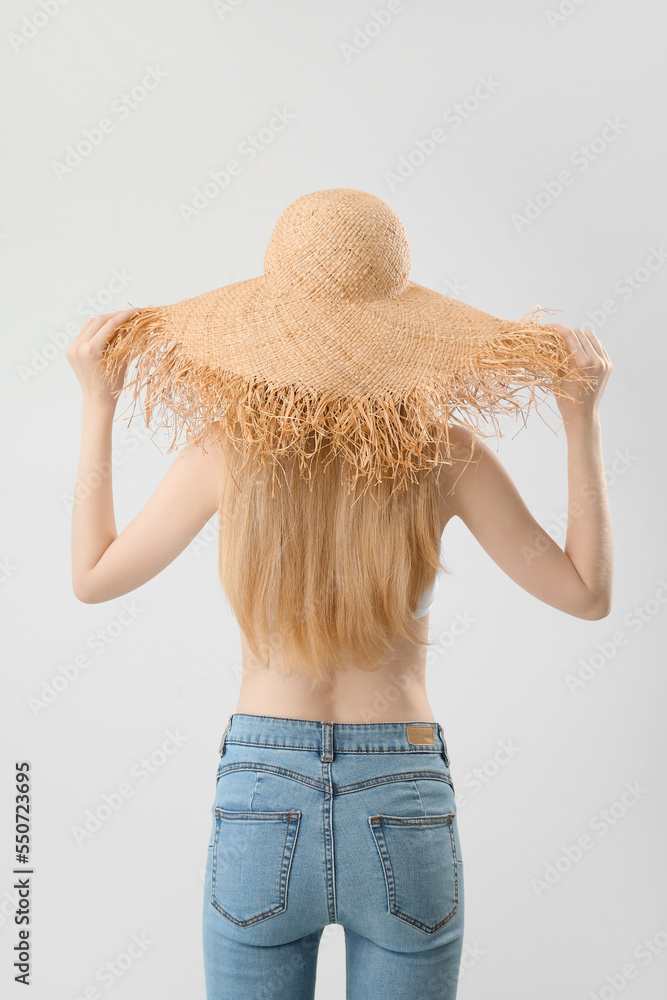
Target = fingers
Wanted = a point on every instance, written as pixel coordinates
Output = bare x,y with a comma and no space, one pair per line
596,350
89,327
596,346
584,343
109,322
578,346
113,321
599,348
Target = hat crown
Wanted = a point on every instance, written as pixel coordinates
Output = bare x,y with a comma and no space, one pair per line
338,244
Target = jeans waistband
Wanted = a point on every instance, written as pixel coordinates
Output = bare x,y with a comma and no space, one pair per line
329,738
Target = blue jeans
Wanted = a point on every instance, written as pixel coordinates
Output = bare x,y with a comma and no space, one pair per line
316,823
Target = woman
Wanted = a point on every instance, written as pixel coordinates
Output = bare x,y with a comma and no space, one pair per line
334,801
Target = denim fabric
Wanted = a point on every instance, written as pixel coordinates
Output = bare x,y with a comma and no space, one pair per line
315,823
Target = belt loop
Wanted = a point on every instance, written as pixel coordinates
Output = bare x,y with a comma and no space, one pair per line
444,745
221,748
327,741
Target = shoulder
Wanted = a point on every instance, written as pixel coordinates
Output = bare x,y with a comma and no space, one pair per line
208,448
464,446
460,474
204,462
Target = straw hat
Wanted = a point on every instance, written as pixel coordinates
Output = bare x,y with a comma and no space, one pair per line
334,344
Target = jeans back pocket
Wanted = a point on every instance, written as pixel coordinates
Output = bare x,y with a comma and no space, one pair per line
251,862
419,859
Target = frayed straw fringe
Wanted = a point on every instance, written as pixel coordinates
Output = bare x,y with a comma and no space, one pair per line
390,434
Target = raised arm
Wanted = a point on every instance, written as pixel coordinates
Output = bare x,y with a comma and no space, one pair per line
105,564
578,578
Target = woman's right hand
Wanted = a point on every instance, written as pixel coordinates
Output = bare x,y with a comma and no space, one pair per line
590,355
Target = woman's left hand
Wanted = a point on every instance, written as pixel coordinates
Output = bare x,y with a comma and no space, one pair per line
86,349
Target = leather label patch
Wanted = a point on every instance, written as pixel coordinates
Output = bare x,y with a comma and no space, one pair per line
421,734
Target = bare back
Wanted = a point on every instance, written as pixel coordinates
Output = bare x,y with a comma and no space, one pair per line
396,692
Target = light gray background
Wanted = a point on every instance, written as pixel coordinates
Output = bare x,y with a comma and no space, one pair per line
174,666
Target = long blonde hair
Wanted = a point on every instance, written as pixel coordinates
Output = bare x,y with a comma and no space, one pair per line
328,573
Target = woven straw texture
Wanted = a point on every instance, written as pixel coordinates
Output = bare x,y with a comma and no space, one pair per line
334,345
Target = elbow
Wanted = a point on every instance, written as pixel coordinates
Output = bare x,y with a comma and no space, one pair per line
83,596
598,609
84,592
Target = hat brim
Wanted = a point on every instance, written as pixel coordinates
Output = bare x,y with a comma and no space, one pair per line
372,376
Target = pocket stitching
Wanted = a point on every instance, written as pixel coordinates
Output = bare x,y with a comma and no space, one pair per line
379,821
293,820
